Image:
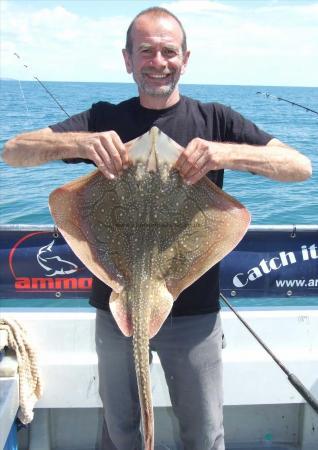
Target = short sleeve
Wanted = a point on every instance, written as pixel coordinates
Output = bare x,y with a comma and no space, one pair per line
78,122
243,131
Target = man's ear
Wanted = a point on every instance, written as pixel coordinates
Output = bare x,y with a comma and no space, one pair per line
127,58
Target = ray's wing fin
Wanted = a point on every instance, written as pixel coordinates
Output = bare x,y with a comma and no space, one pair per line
83,211
205,224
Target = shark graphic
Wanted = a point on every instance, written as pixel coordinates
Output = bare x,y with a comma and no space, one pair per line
54,265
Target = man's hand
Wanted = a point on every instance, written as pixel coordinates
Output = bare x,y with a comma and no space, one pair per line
198,158
106,150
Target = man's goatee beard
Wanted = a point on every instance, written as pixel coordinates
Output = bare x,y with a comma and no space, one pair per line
163,91
160,91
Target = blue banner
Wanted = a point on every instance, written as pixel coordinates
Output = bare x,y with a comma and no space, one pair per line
277,261
273,263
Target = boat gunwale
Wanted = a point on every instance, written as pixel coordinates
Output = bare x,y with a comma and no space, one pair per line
290,228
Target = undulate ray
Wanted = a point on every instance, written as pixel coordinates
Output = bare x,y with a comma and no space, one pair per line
148,236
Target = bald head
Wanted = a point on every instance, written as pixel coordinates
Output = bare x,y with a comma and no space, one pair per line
155,13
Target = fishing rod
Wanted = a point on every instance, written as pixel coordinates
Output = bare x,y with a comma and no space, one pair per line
303,391
267,95
42,85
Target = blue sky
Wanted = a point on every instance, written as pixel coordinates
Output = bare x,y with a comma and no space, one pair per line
273,42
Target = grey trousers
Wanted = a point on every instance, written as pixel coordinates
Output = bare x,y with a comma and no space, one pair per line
189,348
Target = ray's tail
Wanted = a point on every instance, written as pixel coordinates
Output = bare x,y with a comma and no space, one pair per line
141,357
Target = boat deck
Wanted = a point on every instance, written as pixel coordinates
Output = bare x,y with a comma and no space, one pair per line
261,410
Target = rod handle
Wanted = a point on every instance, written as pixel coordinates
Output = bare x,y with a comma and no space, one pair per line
298,385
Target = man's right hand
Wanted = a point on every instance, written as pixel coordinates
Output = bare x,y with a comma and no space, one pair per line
106,150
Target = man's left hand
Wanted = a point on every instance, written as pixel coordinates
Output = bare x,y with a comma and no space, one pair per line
198,158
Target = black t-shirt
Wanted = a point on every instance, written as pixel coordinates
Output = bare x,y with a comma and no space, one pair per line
182,122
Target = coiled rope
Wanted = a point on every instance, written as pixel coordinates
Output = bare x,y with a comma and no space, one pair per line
30,384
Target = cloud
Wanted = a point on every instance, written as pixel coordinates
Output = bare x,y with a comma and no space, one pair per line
197,7
304,9
59,44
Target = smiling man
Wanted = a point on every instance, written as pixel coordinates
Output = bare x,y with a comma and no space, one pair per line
215,138
156,55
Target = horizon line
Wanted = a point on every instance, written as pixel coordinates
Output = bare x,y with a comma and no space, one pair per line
180,84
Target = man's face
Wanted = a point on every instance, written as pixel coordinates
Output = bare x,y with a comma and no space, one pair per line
157,60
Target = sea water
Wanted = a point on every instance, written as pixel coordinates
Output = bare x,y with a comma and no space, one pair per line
26,106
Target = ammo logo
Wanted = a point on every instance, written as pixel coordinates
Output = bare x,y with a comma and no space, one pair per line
39,263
